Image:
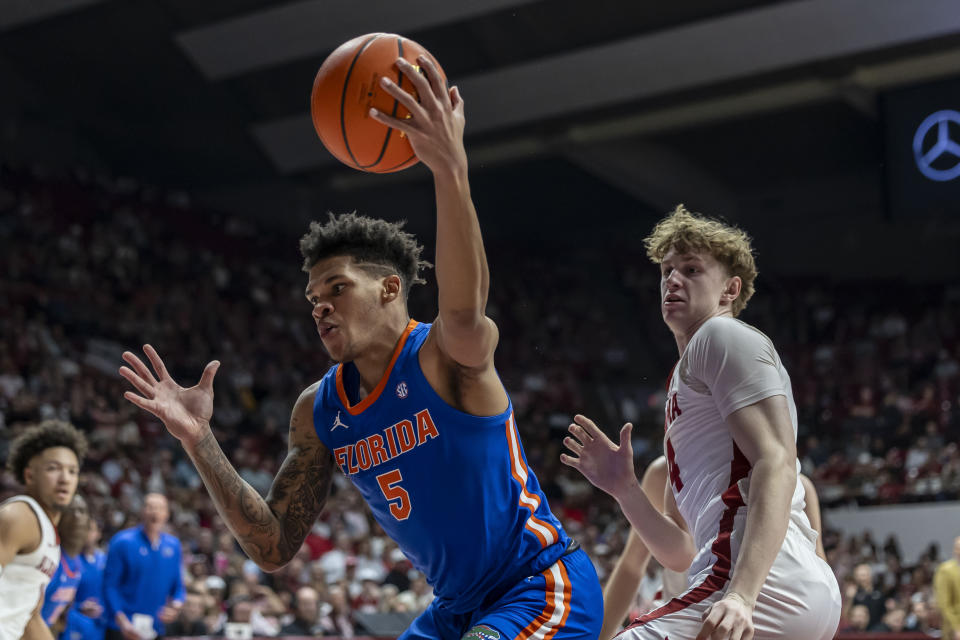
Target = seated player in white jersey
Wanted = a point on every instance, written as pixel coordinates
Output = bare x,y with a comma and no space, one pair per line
46,460
621,589
733,515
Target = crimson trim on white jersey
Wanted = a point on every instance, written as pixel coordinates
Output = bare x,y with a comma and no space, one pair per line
721,548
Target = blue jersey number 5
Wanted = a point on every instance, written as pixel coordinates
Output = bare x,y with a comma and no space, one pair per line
396,495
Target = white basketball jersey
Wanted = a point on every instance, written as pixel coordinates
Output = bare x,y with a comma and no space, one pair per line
25,578
673,583
726,366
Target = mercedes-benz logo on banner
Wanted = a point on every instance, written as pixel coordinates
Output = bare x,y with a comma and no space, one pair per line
937,147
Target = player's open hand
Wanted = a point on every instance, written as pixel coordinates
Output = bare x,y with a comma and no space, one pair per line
436,122
730,618
185,412
606,465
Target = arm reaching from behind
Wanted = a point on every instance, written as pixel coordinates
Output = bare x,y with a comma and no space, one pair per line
610,467
624,580
270,530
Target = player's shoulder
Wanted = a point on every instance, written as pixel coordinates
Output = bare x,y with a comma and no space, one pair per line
727,331
14,508
18,518
311,391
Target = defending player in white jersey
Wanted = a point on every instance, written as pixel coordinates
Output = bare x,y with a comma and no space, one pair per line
621,588
46,460
730,443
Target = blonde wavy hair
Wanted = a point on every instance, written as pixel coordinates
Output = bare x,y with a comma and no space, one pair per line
690,232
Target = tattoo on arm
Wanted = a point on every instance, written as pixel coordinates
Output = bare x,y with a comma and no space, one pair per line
270,530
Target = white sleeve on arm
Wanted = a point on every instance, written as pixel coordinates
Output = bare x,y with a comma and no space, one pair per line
736,362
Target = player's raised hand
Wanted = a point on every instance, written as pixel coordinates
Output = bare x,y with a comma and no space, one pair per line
436,122
185,412
606,465
730,618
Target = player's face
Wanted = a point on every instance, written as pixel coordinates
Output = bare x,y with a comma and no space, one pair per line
345,305
52,476
692,286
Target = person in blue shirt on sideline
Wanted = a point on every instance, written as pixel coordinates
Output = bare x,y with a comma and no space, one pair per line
85,619
62,588
143,574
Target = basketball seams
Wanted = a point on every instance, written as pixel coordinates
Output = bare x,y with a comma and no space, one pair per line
345,88
393,112
343,98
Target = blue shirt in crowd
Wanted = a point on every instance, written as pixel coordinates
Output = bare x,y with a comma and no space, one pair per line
140,577
61,589
79,625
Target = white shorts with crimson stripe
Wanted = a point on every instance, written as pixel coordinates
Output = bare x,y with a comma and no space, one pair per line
799,600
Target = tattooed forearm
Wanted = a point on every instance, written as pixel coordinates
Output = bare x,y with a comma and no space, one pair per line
272,530
302,486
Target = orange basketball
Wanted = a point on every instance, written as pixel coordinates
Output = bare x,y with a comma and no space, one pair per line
348,85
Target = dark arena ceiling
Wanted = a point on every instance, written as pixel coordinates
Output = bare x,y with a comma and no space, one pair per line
772,114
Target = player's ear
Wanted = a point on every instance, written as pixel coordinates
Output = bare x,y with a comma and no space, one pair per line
28,474
732,290
392,288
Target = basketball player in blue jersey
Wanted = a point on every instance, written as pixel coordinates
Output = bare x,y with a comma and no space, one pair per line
413,413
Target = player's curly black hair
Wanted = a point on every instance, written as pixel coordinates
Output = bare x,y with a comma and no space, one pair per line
366,240
42,436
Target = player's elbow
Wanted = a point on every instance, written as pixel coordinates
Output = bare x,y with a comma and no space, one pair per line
271,565
678,563
466,320
681,556
469,339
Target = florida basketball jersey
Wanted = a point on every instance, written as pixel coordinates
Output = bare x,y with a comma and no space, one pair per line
452,489
25,578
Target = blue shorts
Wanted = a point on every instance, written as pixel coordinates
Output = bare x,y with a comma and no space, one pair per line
563,602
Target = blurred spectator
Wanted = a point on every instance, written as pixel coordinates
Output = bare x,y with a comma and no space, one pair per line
335,618
143,574
190,621
892,621
306,607
858,620
866,593
90,590
62,588
946,586
244,610
919,618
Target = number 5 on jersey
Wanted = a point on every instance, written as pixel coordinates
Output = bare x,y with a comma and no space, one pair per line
396,496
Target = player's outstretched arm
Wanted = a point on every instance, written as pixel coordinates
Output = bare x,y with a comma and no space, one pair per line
270,530
763,432
627,574
610,467
435,130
